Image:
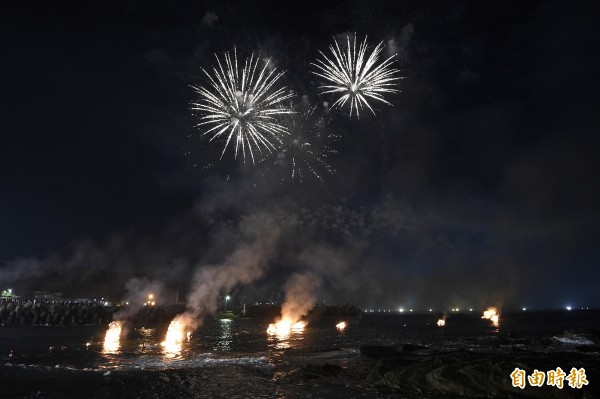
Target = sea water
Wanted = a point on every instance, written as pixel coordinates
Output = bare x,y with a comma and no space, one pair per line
237,358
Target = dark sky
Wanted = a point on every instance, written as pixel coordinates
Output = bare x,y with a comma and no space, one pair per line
479,185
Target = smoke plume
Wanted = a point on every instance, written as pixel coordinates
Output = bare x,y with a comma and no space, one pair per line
139,291
300,295
245,264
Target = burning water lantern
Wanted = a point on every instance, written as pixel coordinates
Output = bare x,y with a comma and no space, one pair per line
441,322
112,338
175,336
492,315
341,326
284,327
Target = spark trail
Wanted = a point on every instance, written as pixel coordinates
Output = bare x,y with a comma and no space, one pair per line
356,76
241,105
305,150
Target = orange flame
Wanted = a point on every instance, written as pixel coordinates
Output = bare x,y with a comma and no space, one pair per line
441,322
176,335
284,327
112,337
298,326
341,326
492,315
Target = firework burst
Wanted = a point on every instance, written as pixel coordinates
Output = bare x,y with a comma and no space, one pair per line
241,105
304,151
357,77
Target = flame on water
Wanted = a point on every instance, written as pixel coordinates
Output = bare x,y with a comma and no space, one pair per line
298,326
176,334
441,322
492,315
341,326
284,327
112,338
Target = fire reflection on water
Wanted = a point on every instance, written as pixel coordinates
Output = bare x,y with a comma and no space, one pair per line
226,337
284,330
146,341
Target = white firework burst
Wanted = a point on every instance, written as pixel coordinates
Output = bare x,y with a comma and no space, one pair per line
356,76
241,105
305,150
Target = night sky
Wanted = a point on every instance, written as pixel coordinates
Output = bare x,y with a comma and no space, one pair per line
478,186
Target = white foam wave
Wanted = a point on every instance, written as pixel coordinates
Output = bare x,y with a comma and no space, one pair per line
574,340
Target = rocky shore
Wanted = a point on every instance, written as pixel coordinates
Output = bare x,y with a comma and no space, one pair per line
419,371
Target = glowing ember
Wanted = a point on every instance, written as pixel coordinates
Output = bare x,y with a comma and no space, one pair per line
284,327
341,326
111,340
441,322
175,336
492,315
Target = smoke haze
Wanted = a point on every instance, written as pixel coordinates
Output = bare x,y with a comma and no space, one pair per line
301,292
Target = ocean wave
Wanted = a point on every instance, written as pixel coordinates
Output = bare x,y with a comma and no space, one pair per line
153,363
574,340
198,361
